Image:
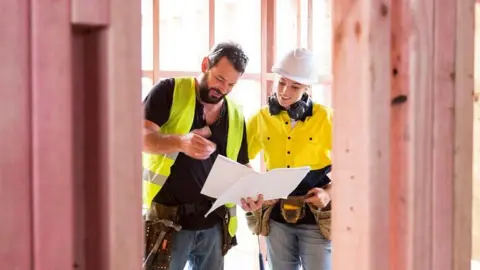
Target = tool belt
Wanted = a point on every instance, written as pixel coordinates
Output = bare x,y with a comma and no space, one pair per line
293,209
161,222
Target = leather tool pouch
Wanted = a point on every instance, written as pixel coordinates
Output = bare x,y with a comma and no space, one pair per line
158,236
323,217
228,240
254,221
292,209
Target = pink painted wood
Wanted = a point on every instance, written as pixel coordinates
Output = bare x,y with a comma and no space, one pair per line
90,12
108,87
78,138
15,137
52,131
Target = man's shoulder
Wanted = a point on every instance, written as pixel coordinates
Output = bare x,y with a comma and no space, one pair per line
167,83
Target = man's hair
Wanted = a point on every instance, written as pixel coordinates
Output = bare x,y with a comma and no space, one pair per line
232,51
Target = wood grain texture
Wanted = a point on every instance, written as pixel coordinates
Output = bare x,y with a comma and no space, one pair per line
476,137
399,133
361,64
91,13
443,97
53,156
123,136
463,142
412,135
15,136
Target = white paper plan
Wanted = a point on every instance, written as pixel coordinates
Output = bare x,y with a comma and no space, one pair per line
230,181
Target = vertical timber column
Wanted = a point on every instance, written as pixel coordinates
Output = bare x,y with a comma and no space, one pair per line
464,133
361,63
52,136
106,47
431,133
15,134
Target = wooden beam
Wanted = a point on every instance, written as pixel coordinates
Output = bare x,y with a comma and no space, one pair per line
431,125
361,131
476,137
90,12
52,128
211,24
310,24
156,40
464,138
15,133
107,129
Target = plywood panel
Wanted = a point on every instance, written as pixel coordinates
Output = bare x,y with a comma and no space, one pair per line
361,64
15,134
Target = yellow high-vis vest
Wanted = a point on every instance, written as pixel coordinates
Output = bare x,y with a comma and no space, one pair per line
156,168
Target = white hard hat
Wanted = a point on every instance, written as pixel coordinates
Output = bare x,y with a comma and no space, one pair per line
297,65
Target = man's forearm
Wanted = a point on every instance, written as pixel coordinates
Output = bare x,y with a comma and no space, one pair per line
156,143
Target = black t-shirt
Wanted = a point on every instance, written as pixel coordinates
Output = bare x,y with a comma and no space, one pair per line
188,175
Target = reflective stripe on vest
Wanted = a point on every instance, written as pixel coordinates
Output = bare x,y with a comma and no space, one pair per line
156,168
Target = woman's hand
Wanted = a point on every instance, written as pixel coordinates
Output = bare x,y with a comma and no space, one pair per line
250,205
319,197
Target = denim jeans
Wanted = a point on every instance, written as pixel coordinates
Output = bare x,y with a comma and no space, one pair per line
201,249
291,247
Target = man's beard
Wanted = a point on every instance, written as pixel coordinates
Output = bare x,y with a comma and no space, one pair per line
204,92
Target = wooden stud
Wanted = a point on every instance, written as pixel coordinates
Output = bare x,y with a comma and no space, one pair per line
52,127
361,61
93,13
15,133
464,138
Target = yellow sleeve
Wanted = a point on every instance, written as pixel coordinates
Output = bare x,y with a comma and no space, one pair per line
254,145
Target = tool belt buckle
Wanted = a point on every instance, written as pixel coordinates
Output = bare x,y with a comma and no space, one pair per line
292,210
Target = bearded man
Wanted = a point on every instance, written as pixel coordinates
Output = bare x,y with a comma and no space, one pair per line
188,122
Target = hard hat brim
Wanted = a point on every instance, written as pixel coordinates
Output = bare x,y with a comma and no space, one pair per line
301,80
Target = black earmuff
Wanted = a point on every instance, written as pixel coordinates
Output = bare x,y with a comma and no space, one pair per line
297,111
273,106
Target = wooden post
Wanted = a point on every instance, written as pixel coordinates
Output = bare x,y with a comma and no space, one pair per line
70,135
15,133
429,84
361,99
107,85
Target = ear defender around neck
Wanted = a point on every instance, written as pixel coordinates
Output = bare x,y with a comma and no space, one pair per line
297,111
273,106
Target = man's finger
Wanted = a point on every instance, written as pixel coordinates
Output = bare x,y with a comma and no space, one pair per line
204,132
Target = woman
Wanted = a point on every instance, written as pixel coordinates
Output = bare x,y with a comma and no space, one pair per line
293,131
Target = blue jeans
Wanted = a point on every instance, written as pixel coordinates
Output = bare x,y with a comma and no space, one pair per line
201,249
292,246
